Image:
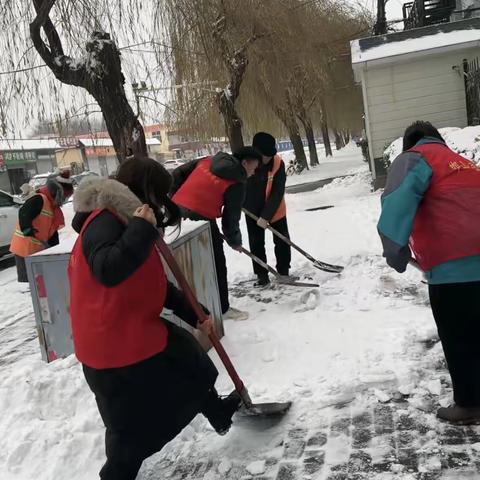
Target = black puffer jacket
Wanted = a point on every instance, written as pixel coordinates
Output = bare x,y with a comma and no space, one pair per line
229,168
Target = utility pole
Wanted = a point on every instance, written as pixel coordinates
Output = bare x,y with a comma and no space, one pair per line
381,24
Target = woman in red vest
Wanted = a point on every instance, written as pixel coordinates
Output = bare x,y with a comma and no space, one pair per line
150,378
266,199
430,208
39,220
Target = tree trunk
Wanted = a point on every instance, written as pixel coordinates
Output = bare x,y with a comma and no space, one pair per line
312,147
325,133
339,143
123,126
287,117
232,121
326,140
296,139
346,137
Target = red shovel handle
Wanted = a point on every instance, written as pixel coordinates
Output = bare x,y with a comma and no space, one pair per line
182,281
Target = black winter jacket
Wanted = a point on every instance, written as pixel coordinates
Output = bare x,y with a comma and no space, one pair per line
255,201
229,168
28,212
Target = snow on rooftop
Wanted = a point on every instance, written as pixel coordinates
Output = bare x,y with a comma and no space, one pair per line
411,45
107,142
29,144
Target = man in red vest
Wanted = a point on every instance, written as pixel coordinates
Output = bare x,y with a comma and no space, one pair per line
431,209
266,200
214,187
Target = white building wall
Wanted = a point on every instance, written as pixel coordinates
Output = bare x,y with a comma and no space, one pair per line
431,88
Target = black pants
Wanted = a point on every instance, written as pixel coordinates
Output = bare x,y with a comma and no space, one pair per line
256,237
21,269
146,405
456,309
220,265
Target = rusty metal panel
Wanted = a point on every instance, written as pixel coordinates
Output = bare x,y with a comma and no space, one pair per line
49,287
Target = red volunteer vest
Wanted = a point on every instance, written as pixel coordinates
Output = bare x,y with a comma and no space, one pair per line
203,191
446,226
119,326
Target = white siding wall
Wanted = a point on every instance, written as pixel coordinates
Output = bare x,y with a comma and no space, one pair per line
426,89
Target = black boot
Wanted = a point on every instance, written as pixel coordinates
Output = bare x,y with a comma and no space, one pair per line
262,281
219,411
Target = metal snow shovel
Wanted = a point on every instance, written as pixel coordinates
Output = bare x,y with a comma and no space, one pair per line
315,209
279,278
326,267
263,409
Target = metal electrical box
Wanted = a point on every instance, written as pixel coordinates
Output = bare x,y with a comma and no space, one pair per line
49,286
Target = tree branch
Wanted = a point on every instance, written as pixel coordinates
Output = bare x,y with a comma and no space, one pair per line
53,56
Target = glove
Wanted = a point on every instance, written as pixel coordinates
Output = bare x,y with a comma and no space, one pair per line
262,223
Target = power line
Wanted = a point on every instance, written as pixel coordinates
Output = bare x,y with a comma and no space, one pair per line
126,47
27,69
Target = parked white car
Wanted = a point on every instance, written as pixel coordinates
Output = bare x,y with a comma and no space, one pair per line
39,180
9,206
171,165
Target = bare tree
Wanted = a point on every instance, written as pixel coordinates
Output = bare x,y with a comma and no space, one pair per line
100,74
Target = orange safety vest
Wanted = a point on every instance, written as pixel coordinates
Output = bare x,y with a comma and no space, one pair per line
282,208
24,246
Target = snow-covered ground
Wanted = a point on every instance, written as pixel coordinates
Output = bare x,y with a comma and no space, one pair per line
345,161
343,353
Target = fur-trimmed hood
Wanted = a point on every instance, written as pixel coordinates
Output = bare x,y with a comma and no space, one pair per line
95,193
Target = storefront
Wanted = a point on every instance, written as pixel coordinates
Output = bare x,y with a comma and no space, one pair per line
16,168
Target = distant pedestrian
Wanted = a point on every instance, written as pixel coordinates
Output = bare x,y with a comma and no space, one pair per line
431,207
39,220
266,200
214,187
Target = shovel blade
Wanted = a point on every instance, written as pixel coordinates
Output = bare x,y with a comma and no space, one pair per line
266,409
326,267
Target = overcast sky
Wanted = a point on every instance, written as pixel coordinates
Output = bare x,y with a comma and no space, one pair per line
394,7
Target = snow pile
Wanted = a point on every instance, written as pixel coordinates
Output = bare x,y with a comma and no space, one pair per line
464,141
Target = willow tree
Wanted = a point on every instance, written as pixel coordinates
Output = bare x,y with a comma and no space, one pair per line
220,33
71,41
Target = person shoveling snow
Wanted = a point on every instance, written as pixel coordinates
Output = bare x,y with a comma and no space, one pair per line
431,206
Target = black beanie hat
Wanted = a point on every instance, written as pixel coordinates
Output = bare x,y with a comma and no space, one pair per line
247,153
265,143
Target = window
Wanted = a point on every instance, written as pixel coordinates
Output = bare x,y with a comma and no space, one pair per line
6,200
